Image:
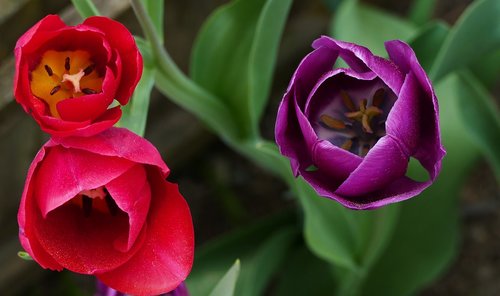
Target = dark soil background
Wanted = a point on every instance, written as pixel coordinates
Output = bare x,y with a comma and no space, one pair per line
223,189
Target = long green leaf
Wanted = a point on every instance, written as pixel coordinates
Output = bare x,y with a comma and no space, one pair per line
427,42
362,24
426,235
421,11
481,118
234,55
262,58
259,246
226,286
155,10
476,33
85,8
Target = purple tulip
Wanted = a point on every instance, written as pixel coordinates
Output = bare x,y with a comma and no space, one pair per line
350,132
104,290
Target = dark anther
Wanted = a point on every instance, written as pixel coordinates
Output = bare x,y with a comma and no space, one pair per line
55,89
112,207
88,70
88,91
49,70
86,205
66,64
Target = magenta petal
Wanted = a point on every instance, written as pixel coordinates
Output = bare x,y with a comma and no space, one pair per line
132,194
404,120
166,256
384,163
336,162
386,70
111,143
66,172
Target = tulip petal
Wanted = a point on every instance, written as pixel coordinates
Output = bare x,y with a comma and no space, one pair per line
385,162
429,151
66,172
166,256
111,143
132,194
119,37
386,70
27,210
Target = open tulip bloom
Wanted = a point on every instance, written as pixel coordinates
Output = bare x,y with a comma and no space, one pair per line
67,77
100,205
350,132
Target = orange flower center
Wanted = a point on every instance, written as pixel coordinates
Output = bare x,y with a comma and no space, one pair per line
64,74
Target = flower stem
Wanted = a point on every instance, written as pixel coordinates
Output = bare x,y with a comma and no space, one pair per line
172,82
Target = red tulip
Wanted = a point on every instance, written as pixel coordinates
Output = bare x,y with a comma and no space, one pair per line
67,77
100,205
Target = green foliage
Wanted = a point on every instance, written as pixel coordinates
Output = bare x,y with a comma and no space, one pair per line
481,118
235,53
359,23
475,34
85,8
427,42
262,248
421,11
225,287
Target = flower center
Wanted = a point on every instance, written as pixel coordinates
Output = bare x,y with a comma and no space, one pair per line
64,74
356,127
96,199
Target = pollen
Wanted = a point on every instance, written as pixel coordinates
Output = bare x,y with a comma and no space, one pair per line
64,75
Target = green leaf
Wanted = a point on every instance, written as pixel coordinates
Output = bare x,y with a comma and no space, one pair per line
476,33
427,42
85,8
370,27
24,255
135,113
426,235
346,238
155,10
481,118
225,287
487,69
305,274
421,11
261,247
234,55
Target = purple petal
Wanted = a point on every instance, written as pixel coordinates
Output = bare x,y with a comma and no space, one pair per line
353,54
429,150
385,162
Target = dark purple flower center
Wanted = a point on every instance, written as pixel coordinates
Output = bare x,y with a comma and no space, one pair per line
352,114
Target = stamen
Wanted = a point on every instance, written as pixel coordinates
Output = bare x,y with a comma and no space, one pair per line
347,145
89,70
362,105
86,205
378,97
332,122
88,91
49,70
55,89
66,64
366,124
112,207
347,101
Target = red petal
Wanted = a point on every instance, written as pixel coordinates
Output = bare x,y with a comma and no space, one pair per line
132,193
121,39
66,172
121,143
166,256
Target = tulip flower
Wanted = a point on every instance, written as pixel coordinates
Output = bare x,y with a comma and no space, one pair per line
351,131
101,206
68,77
